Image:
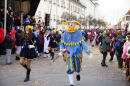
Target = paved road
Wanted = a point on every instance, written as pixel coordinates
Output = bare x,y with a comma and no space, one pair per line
47,73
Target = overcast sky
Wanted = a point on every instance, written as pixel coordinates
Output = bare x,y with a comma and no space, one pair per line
113,10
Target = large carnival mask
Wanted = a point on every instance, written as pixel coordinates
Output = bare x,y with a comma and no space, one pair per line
71,24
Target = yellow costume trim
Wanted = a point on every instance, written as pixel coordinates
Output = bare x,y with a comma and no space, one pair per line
87,51
31,27
29,59
71,69
79,56
72,43
78,23
76,65
66,67
67,22
18,55
127,38
71,30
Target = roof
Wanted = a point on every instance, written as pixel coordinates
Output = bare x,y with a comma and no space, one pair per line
128,13
78,2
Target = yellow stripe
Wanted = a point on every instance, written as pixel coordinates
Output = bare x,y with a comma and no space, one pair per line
71,64
66,67
80,63
76,65
29,59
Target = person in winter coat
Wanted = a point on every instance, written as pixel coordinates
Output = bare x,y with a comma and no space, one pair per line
112,44
105,47
41,43
8,42
18,37
119,50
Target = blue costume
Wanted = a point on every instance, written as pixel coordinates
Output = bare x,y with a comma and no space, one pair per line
73,42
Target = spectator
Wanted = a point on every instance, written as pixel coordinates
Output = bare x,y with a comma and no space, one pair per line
8,42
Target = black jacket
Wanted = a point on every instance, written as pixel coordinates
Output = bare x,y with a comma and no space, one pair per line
18,37
8,42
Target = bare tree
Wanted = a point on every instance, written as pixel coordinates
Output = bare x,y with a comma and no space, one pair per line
94,21
65,16
90,22
101,23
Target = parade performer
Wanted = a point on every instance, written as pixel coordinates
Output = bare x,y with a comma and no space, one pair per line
52,43
46,43
73,41
28,51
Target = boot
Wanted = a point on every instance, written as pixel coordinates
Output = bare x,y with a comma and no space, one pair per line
71,85
25,66
78,77
17,58
103,64
27,75
52,54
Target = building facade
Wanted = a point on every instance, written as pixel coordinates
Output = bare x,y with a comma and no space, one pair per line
60,10
125,19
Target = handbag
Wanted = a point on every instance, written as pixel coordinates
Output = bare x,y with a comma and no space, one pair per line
100,49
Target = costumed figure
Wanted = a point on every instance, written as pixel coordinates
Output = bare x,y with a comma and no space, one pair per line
46,43
28,50
52,43
112,44
72,40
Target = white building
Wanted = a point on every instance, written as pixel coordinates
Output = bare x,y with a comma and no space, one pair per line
125,19
96,10
56,9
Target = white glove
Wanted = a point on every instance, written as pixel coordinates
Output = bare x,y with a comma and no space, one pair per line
31,46
90,56
60,54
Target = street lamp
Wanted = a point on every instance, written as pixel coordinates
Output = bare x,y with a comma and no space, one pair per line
5,17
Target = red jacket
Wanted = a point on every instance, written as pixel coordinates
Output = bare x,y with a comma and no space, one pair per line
1,35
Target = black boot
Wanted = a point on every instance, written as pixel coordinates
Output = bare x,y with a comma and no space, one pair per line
71,85
27,75
78,77
103,64
52,54
25,66
17,58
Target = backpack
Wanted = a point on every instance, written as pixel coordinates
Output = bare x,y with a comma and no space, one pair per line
119,46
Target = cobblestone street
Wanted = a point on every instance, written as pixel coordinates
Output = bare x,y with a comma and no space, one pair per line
47,73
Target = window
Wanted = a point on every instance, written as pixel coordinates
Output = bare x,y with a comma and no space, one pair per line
57,2
64,5
71,7
67,6
54,17
54,2
75,9
50,1
57,17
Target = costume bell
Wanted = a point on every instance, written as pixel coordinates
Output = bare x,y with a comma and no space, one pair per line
73,41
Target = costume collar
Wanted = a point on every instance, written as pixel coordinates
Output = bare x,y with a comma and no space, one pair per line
71,30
